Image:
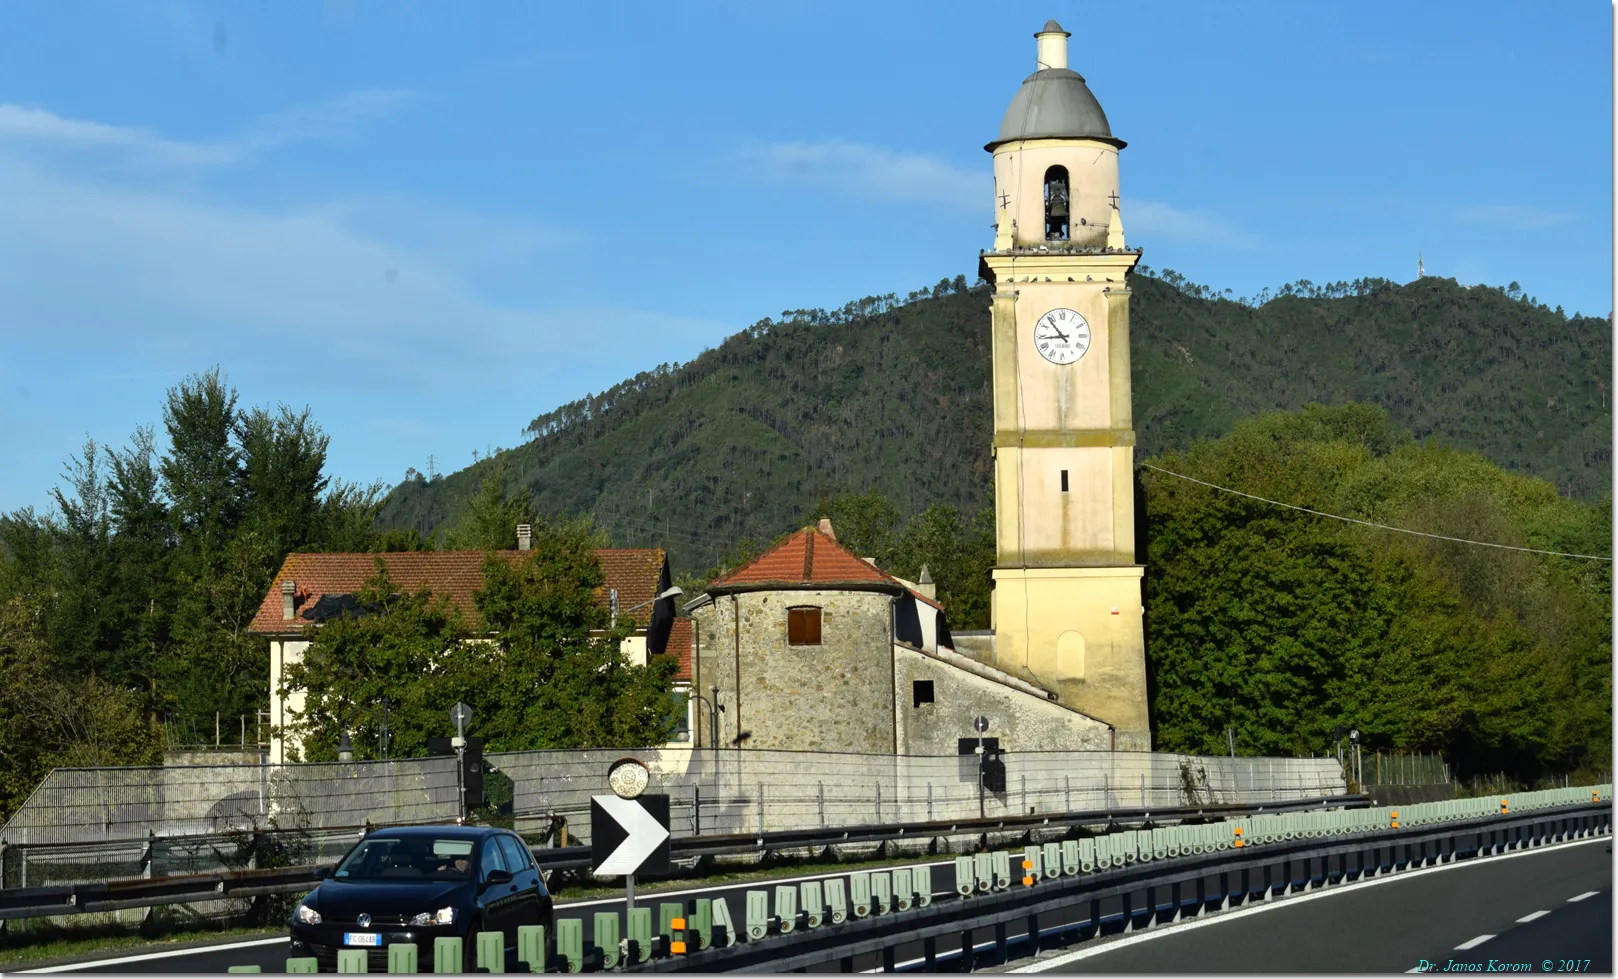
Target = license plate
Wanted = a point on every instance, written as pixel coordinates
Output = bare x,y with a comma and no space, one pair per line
355,938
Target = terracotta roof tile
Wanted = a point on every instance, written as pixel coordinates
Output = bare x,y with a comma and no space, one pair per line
812,557
682,640
454,575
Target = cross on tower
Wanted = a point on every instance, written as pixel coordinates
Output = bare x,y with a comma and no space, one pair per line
1113,197
1005,199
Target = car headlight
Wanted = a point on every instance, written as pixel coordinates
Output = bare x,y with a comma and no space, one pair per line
443,916
308,915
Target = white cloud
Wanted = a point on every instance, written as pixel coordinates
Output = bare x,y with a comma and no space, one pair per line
1518,217
23,128
871,171
1193,227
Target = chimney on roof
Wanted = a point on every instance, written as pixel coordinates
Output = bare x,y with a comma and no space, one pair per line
525,537
289,600
925,584
825,528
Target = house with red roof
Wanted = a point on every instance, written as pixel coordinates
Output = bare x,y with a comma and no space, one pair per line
310,589
811,647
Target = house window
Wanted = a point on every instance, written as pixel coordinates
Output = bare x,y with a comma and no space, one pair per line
1056,204
682,716
922,691
1064,480
803,626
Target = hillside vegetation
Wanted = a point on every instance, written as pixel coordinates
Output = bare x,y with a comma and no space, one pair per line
746,439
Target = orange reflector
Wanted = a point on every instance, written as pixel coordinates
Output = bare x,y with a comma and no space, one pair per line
1028,882
1238,831
677,948
678,924
1028,865
1238,844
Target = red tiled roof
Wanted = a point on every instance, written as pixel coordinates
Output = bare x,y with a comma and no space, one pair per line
810,557
682,639
453,575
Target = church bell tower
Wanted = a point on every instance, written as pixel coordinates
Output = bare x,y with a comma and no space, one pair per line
1067,606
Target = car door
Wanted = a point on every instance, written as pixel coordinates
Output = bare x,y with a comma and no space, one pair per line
496,900
526,910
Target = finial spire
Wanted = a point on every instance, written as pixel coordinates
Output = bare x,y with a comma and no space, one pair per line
1051,46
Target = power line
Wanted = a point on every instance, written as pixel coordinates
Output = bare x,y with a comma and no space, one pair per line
1367,523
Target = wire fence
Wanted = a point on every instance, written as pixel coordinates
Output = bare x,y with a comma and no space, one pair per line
719,791
114,823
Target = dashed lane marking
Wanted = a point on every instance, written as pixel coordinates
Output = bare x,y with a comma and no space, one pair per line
1474,943
1581,897
1532,917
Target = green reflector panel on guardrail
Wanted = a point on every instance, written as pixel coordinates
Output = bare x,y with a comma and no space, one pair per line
924,886
1070,857
491,951
1052,854
638,929
836,901
724,928
786,908
904,889
605,938
758,915
859,894
701,922
530,947
1002,869
353,960
965,880
814,903
306,964
244,968
881,892
403,957
569,944
666,913
447,956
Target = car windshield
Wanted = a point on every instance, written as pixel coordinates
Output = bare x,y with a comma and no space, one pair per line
411,858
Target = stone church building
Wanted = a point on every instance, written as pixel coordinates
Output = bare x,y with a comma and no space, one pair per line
811,647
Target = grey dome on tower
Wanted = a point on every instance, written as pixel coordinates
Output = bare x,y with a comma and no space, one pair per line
1054,102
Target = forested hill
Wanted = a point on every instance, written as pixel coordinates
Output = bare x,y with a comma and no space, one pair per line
742,441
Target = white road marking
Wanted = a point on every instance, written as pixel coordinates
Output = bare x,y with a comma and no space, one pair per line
1183,925
149,956
1474,943
1532,917
1583,896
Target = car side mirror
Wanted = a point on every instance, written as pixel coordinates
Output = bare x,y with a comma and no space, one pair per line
321,873
494,877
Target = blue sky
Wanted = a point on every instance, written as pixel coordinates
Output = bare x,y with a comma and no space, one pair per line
431,222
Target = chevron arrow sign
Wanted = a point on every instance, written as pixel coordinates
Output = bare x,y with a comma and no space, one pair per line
629,836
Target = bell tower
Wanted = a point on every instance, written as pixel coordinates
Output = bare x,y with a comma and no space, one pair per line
1067,606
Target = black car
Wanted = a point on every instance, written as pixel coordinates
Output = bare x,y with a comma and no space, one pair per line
414,884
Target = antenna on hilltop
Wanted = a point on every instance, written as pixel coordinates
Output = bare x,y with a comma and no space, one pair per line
1421,269
431,472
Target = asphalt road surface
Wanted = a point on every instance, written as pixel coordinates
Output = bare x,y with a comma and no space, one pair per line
1545,911
1546,905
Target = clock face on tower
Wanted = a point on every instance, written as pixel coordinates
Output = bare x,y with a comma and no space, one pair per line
1062,336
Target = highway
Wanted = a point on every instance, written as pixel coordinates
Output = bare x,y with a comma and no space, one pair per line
1550,904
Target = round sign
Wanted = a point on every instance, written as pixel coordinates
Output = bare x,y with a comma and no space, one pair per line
628,778
981,724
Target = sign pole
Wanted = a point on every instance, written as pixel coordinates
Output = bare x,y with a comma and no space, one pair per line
629,893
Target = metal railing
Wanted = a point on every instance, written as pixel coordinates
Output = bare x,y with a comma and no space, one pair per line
227,885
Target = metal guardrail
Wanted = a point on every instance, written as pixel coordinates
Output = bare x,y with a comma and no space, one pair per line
79,898
948,929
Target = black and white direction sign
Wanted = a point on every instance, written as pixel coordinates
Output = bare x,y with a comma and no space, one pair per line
629,836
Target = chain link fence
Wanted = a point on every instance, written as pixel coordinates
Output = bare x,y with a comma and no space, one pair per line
110,823
720,791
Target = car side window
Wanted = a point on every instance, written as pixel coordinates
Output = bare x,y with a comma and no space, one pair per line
515,853
492,859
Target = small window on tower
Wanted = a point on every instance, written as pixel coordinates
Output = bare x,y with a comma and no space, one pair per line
922,691
1057,209
803,626
1064,480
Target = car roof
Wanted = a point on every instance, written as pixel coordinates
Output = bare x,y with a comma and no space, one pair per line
451,831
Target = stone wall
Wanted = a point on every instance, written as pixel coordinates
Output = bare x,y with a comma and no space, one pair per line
837,696
1022,721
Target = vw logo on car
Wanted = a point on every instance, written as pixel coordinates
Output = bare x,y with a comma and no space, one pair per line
418,884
